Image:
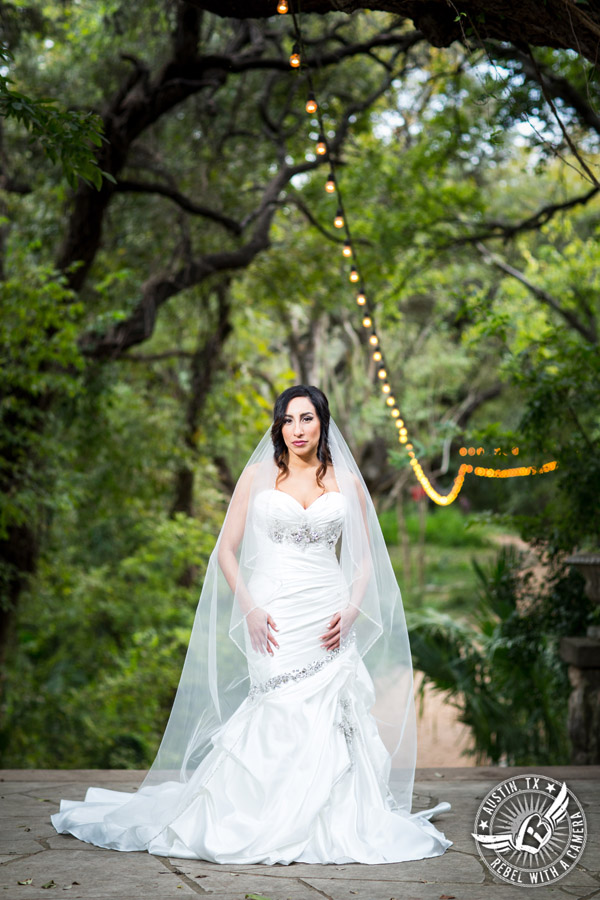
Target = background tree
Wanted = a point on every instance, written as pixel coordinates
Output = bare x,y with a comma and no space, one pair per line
147,325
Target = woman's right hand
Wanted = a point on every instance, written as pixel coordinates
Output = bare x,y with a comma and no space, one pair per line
260,628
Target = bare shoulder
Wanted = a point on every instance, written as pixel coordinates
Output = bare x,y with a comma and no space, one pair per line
357,483
355,480
245,480
360,489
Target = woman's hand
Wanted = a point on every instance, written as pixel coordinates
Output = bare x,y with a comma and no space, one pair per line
260,627
339,626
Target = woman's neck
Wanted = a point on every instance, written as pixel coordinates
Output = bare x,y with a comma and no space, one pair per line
299,466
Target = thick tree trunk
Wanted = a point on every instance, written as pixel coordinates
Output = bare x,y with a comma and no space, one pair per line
204,365
18,557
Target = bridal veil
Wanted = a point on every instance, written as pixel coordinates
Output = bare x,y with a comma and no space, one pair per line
214,680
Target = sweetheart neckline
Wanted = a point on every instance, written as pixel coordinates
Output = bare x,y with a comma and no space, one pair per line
304,508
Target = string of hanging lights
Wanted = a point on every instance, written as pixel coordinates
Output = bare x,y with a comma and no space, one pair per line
340,221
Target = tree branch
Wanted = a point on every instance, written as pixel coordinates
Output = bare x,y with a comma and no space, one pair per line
161,287
554,23
540,293
142,187
571,144
141,101
301,205
507,230
554,86
157,357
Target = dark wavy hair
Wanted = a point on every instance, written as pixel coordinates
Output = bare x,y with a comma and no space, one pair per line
321,405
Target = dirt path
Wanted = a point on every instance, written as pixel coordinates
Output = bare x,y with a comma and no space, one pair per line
441,738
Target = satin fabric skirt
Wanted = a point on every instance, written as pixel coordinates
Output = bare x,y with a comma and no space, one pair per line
297,774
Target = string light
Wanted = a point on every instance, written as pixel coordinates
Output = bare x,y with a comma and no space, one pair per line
311,103
282,7
464,468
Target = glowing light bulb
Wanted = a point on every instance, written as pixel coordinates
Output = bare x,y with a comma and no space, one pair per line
390,401
354,277
311,103
382,373
367,322
282,7
295,57
330,183
339,219
373,340
377,356
347,250
361,300
321,147
395,413
385,388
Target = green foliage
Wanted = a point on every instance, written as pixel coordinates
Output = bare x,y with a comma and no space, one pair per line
502,669
93,450
444,527
561,418
101,650
39,359
66,136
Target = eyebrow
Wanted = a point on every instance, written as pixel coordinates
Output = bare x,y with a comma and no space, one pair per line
309,412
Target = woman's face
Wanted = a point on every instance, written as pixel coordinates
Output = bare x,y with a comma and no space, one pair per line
301,428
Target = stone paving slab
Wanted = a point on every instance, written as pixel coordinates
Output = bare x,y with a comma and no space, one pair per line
30,848
376,891
104,875
453,868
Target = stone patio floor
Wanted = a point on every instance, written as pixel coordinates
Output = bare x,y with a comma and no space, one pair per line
31,849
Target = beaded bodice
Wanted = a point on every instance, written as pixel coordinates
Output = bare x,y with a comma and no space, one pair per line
286,521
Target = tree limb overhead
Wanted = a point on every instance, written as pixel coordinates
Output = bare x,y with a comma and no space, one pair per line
564,24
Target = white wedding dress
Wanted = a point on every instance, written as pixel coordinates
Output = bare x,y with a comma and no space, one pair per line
298,773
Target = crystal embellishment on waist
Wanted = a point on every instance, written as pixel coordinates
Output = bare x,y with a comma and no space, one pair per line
265,687
302,535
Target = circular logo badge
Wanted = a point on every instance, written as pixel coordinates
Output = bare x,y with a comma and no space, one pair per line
530,830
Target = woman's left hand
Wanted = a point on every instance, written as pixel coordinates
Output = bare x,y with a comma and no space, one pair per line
339,626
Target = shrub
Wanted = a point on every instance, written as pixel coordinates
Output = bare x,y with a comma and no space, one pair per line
503,671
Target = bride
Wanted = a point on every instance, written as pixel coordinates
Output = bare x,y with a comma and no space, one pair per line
274,751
